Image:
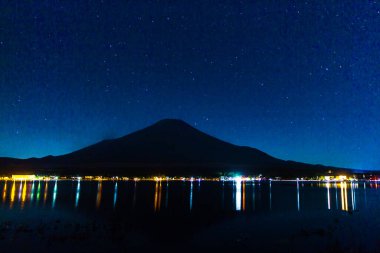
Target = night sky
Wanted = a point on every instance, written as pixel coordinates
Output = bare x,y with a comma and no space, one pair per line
298,80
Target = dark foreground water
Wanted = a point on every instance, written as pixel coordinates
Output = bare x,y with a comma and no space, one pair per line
189,216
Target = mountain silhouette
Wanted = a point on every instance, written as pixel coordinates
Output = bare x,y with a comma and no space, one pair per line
170,147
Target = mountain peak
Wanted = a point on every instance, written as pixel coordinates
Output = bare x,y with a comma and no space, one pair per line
171,122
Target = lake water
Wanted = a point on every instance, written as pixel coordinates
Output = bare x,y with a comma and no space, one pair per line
124,216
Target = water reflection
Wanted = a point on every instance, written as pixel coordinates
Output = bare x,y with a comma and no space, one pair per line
253,196
157,196
365,195
328,196
234,194
99,194
167,194
38,191
336,196
222,205
342,199
270,195
46,191
298,196
20,191
77,194
353,195
23,195
348,195
243,196
238,195
134,194
54,194
115,195
191,195
5,191
343,193
32,193
13,192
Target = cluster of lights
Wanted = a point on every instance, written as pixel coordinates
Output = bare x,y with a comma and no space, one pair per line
237,178
30,178
241,178
339,178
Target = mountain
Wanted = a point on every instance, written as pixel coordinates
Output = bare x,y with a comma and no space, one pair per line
170,147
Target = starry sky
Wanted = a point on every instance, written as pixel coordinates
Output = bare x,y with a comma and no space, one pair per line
299,80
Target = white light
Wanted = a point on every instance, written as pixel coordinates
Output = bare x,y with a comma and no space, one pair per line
328,196
237,179
238,195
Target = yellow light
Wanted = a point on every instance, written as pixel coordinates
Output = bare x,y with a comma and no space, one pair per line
343,193
45,192
157,196
99,195
23,196
13,193
342,177
23,177
5,191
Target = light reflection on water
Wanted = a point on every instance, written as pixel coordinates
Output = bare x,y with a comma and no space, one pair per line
328,196
157,196
270,195
46,191
115,196
246,196
298,196
32,192
167,194
243,197
99,194
343,193
38,191
238,195
134,194
13,192
54,194
23,195
253,196
5,191
336,195
191,195
77,194
20,191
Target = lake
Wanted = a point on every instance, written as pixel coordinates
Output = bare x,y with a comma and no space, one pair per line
125,216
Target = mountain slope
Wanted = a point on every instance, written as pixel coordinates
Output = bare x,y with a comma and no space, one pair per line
167,141
169,146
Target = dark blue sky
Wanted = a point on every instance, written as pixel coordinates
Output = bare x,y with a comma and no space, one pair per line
298,80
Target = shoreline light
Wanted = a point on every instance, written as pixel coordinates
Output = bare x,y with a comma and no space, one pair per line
23,177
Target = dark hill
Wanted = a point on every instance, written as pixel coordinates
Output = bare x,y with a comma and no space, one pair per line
167,147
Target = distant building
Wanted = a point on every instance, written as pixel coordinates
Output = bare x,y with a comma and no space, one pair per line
23,177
